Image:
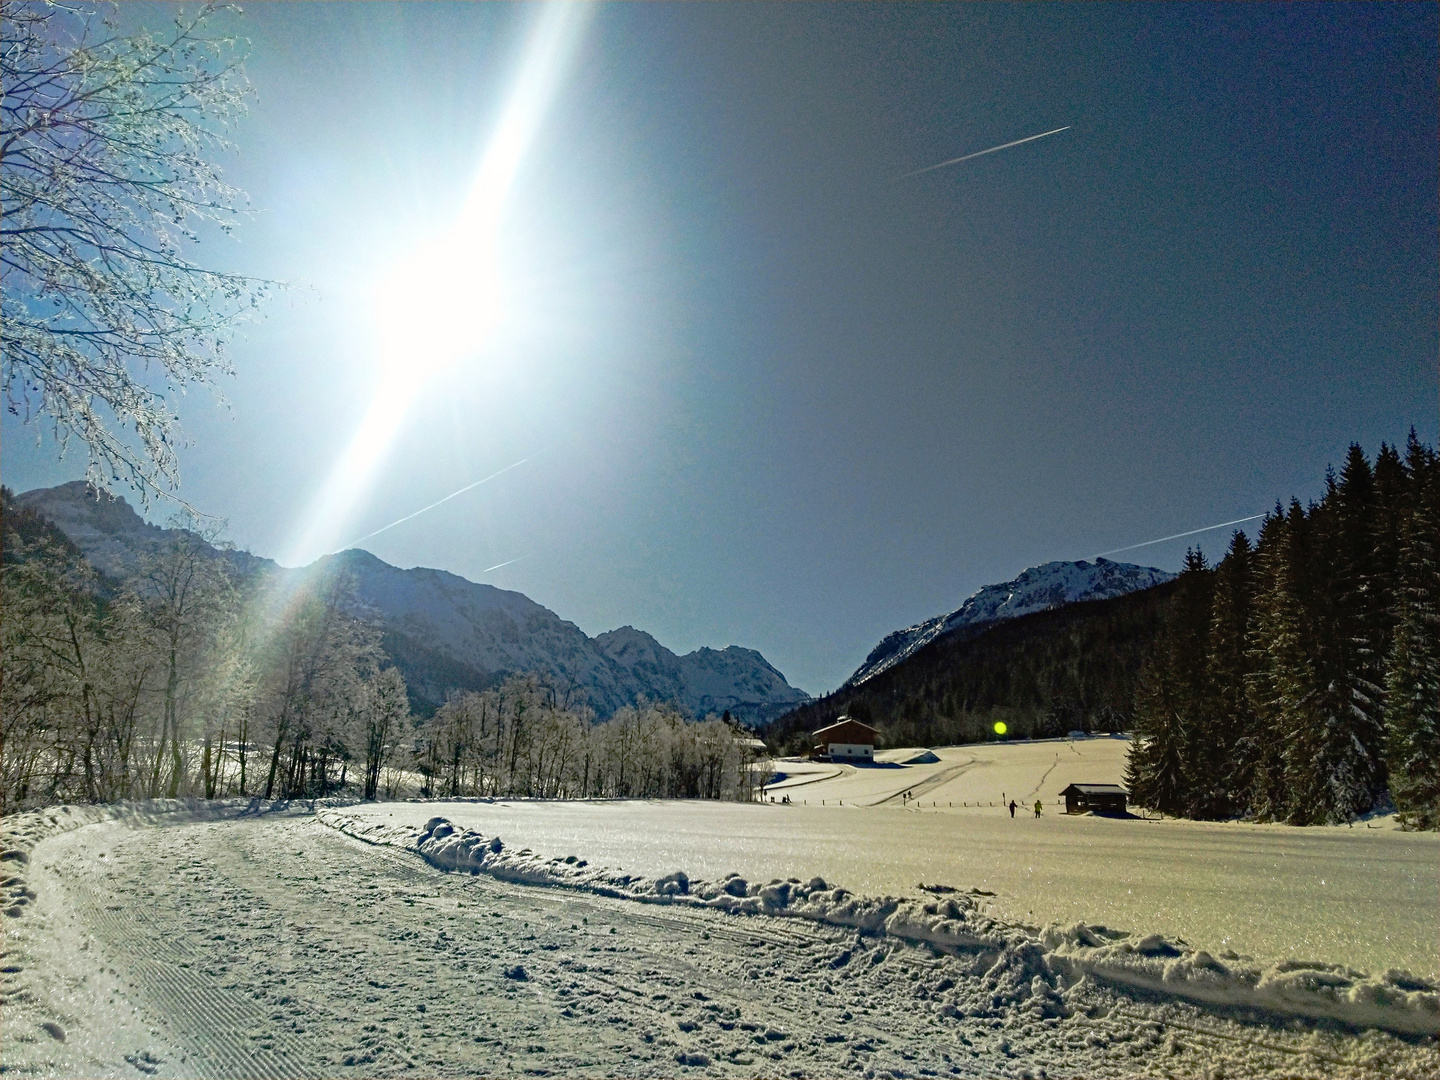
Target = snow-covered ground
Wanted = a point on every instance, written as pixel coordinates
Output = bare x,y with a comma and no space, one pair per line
358,941
1366,897
959,777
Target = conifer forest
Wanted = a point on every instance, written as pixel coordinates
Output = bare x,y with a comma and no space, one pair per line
1298,680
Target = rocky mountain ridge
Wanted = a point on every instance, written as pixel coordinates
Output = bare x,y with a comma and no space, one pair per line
448,633
1036,589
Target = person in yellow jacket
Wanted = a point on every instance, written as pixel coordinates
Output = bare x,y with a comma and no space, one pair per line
1037,808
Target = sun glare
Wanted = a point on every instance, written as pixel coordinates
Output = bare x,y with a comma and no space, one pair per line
438,305
443,302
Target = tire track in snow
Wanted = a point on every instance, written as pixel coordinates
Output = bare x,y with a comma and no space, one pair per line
931,782
791,783
1226,1037
1045,776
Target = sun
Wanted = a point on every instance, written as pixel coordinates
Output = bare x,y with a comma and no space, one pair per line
438,305
443,301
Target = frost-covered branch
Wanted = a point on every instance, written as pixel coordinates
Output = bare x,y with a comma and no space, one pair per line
108,155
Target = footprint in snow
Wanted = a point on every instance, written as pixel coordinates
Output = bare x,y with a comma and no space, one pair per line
145,1061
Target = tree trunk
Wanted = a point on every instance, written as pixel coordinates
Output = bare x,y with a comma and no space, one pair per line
243,749
274,762
172,720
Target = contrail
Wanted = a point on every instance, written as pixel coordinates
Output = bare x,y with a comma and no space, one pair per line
982,153
1177,536
498,565
432,506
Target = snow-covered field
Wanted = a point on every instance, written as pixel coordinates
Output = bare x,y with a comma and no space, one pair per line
1365,896
984,773
506,939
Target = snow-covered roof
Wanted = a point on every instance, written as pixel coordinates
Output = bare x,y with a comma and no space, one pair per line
1097,789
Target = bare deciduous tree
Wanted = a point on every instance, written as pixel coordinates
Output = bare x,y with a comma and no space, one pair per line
123,689
320,659
190,600
108,155
387,712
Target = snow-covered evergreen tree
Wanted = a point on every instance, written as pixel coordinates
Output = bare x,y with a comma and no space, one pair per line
1172,755
1284,690
1307,640
1413,675
1154,770
1233,733
1349,615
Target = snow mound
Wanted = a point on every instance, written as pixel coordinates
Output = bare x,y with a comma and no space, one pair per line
1395,1000
1019,964
924,757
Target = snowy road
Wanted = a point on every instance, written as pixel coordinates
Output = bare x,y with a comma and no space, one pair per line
277,947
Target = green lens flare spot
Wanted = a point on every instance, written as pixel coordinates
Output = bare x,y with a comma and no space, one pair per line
1000,728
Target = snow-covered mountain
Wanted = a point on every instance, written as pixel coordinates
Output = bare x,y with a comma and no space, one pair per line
445,632
708,680
1037,589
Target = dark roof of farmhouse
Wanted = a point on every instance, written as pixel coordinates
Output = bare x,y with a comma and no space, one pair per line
845,721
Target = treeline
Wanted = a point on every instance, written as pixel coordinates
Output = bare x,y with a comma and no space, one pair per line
185,678
1071,668
192,676
1299,680
526,739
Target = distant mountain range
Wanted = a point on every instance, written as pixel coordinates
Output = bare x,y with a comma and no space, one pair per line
1036,589
447,633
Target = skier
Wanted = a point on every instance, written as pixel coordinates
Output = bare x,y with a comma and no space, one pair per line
1037,808
1012,808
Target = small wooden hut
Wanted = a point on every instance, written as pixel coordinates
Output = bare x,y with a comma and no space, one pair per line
1094,798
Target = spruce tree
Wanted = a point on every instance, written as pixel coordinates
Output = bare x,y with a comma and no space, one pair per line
1154,769
1189,644
1288,682
1233,735
1168,763
1267,791
1393,503
1413,672
1283,688
1350,620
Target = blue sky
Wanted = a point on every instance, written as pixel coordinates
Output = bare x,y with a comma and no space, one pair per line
769,393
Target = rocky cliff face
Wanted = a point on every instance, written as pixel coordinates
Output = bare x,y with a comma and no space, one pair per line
446,633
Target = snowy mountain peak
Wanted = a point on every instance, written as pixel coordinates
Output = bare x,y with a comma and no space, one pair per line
709,680
1036,589
105,527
